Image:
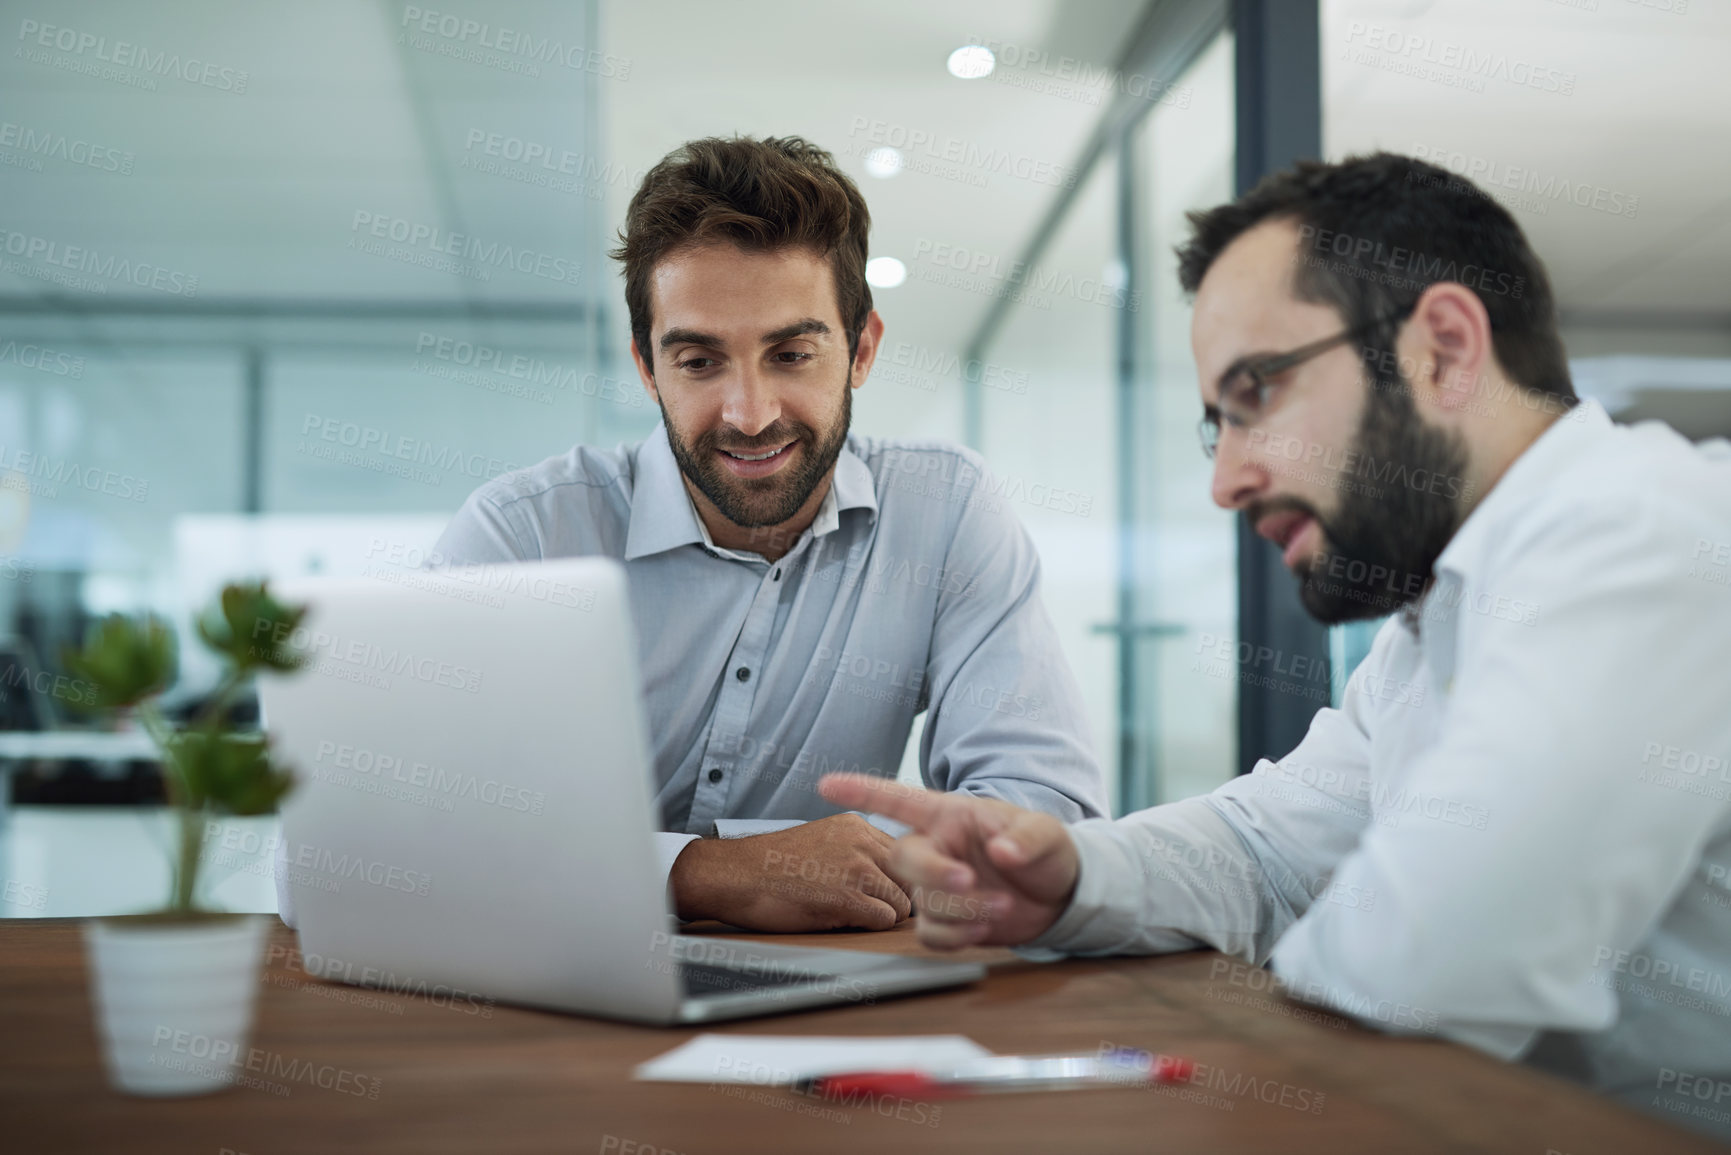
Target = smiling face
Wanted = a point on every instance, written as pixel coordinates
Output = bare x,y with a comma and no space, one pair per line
752,372
1342,477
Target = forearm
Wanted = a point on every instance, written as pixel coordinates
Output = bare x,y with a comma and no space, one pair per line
669,848
1172,878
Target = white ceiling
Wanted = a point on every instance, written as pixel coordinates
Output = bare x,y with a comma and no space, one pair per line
1649,117
255,193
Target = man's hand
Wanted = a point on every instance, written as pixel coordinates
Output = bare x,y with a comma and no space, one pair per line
823,875
981,871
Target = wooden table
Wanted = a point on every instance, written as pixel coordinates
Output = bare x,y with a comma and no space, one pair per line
1278,1078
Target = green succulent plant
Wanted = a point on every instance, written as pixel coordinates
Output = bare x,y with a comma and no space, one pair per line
209,768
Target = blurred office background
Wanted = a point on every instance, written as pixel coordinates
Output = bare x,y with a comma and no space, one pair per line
280,284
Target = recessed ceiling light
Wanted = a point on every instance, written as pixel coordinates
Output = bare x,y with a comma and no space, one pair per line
885,272
972,61
884,162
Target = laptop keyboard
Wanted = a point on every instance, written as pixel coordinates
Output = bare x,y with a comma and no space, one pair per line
701,979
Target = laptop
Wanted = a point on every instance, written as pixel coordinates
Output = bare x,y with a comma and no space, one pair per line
474,813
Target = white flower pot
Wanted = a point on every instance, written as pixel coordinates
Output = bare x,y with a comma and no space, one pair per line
174,1001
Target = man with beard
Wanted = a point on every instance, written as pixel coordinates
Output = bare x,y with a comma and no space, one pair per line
799,592
1516,830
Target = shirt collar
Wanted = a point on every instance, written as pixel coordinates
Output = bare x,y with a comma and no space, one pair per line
663,516
1571,436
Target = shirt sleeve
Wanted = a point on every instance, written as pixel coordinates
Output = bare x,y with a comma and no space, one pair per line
484,533
1005,715
746,827
1234,869
1494,928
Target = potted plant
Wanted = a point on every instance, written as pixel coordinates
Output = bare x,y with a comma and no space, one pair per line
174,989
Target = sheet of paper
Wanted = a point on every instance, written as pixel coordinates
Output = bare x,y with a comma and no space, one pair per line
768,1060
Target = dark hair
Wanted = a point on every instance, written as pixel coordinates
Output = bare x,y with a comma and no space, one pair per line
762,195
1376,231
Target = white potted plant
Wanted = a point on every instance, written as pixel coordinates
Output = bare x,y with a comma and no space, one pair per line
174,989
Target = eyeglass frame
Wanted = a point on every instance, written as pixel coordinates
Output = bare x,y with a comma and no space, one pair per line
1260,371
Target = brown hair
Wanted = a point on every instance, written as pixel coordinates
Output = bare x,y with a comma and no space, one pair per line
762,195
1376,231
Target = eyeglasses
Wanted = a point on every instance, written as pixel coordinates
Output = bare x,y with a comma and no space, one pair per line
1245,393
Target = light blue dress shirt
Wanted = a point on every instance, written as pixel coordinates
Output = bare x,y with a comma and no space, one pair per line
915,588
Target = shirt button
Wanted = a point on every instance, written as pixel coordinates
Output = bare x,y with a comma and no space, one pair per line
742,674
715,774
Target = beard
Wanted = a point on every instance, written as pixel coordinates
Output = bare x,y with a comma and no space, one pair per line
1381,542
762,502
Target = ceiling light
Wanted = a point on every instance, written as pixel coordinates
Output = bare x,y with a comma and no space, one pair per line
884,162
972,61
885,272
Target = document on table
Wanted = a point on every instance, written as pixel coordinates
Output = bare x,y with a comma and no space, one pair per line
775,1059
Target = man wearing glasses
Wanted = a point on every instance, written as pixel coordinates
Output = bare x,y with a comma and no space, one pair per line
1516,830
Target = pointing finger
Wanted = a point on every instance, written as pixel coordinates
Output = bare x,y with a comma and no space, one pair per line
918,808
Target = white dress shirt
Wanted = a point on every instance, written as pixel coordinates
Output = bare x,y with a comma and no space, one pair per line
1516,831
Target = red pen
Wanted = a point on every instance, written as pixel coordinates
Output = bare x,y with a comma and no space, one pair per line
1121,1067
